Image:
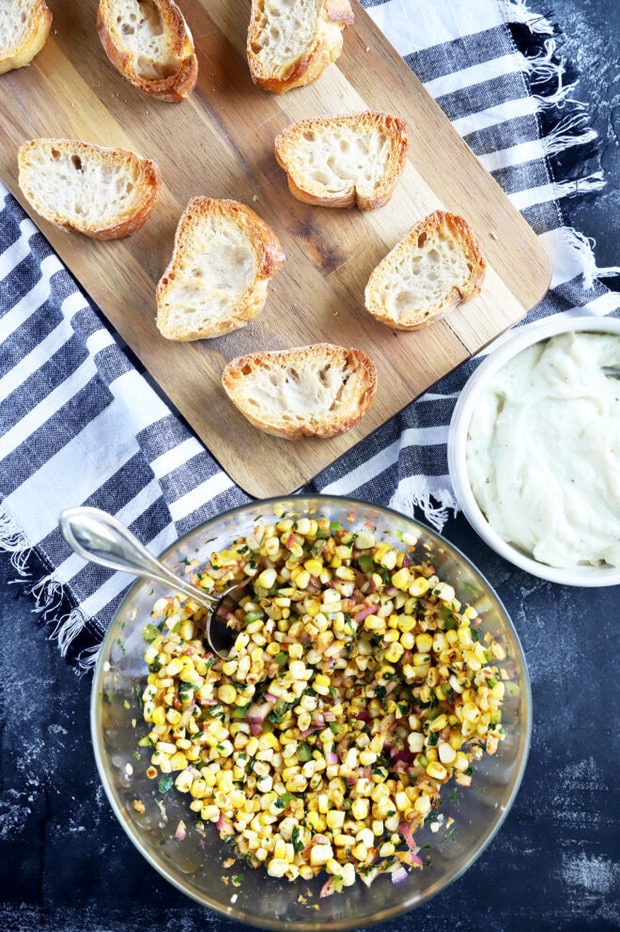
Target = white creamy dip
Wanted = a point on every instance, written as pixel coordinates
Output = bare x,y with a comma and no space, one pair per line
543,451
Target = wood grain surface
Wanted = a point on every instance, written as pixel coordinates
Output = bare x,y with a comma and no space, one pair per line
220,142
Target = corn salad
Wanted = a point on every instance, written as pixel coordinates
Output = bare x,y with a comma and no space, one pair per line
357,687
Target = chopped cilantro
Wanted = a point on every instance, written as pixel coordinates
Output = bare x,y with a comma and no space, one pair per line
165,784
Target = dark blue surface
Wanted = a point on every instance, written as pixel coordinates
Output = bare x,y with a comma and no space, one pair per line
66,865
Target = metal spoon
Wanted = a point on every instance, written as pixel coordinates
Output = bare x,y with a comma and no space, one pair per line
612,372
101,538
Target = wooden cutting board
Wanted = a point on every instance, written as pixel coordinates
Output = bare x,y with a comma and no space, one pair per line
220,142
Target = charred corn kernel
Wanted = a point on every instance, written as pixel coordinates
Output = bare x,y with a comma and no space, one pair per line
227,694
334,819
210,813
322,801
492,744
360,808
471,712
184,781
439,723
424,642
406,623
401,801
364,539
437,771
267,578
321,854
321,684
407,640
313,566
422,805
360,852
419,586
365,837
446,752
394,652
402,579
460,761
374,623
342,840
301,578
444,591
158,715
415,741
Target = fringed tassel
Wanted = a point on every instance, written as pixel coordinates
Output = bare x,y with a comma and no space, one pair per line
583,246
48,594
49,598
13,541
436,505
571,130
547,70
516,11
565,122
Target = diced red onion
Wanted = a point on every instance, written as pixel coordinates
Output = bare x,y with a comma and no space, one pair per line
399,874
365,612
327,889
405,831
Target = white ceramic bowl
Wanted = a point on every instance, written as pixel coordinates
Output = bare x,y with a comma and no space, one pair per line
506,348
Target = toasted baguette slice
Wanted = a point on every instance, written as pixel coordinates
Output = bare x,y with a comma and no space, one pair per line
436,266
308,391
291,44
344,161
101,192
24,28
151,45
216,281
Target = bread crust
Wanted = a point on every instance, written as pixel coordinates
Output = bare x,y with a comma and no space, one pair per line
291,152
36,159
179,71
439,225
32,38
349,378
257,236
306,67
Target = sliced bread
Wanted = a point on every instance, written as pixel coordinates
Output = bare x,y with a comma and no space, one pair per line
291,44
151,45
344,161
436,266
217,278
101,192
308,391
24,28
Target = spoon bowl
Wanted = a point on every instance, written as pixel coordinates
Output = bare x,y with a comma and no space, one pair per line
101,538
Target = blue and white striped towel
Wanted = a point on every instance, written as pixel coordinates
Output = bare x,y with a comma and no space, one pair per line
79,423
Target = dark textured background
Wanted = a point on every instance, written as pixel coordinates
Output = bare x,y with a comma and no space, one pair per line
65,864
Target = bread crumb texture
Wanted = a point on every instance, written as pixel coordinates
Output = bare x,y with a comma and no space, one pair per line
291,42
436,266
344,161
217,279
24,28
150,44
102,192
308,391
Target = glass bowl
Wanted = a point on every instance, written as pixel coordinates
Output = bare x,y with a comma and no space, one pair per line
196,864
505,349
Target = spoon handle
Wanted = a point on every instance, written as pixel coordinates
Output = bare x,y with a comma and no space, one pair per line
101,538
